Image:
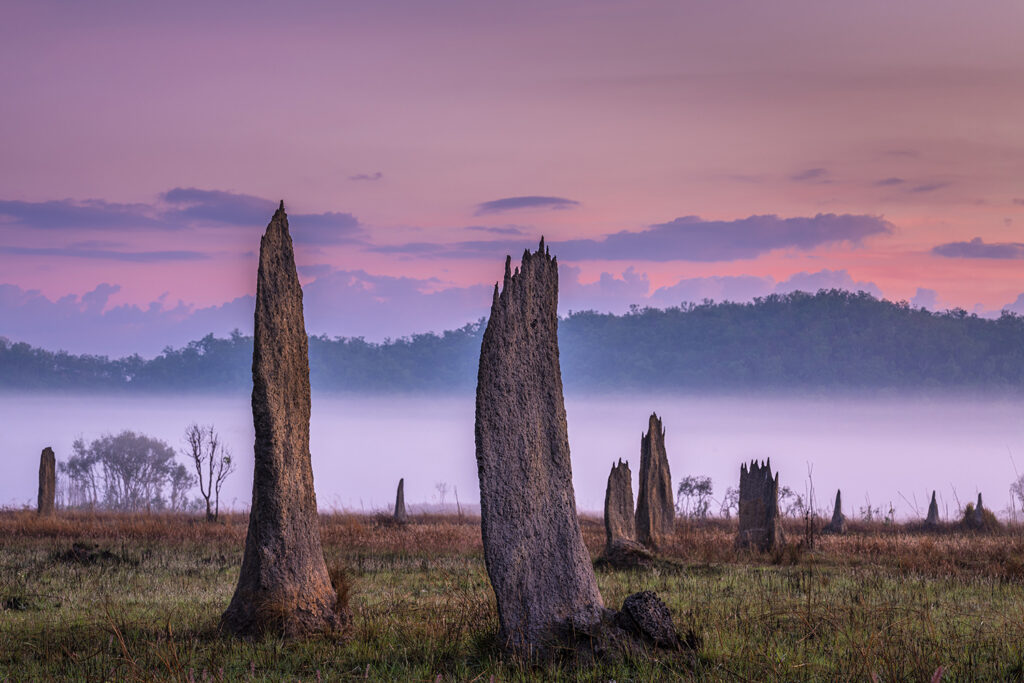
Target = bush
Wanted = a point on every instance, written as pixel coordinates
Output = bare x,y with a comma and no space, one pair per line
988,521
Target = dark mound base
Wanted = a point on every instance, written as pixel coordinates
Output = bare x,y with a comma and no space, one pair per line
646,617
625,555
642,625
81,552
389,521
834,527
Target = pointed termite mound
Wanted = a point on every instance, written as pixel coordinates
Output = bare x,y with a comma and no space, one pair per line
400,515
533,548
284,586
621,551
655,506
760,527
47,482
838,523
932,520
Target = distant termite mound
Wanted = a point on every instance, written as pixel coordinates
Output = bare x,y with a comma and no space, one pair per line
47,482
618,505
838,523
547,596
932,520
621,550
284,587
400,515
760,527
655,505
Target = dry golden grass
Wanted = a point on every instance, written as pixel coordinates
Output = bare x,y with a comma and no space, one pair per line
139,598
950,550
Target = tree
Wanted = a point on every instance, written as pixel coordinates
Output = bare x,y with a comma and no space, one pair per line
730,502
693,497
128,472
823,340
213,464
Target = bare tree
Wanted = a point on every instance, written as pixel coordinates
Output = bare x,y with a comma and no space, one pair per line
730,502
792,504
442,491
213,464
1017,493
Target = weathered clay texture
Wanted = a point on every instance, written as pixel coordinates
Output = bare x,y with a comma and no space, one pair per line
47,482
284,585
838,523
536,560
760,527
400,515
655,506
618,505
932,520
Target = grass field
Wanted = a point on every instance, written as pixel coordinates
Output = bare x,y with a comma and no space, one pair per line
139,598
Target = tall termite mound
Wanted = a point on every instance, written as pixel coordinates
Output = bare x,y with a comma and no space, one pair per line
400,515
284,585
533,548
760,527
47,482
548,601
838,523
655,506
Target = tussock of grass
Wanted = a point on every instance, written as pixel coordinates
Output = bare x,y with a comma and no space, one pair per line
894,602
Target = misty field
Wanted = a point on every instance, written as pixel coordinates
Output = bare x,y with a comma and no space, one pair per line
118,597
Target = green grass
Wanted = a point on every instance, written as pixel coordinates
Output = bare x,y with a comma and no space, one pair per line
896,605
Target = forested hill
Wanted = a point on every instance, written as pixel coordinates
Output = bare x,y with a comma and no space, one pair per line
829,340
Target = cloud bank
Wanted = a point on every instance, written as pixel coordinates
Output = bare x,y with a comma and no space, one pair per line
177,209
978,248
689,238
74,251
692,239
529,202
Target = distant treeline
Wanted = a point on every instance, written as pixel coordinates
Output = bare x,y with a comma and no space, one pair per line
829,340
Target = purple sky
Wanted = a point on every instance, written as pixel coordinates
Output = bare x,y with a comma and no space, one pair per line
669,151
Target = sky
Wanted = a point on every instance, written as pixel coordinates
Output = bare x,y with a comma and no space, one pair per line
668,152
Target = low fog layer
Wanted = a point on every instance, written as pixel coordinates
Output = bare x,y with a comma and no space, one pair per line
887,450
